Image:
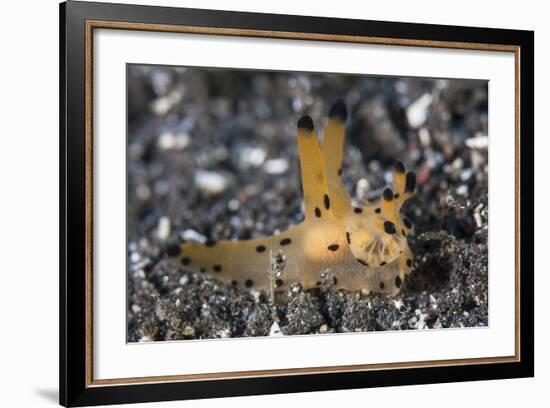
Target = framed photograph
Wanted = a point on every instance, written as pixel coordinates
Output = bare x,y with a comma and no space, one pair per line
255,203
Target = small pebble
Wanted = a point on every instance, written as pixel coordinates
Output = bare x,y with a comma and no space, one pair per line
424,136
163,229
233,205
166,141
192,235
462,190
224,334
478,142
161,106
210,182
457,164
252,156
275,330
466,174
160,79
421,324
276,166
417,112
477,216
143,192
188,331
362,188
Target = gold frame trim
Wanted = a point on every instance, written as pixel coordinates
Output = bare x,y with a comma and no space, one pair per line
100,24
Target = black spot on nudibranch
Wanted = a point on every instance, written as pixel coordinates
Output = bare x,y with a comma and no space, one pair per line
348,237
364,263
185,260
398,281
407,223
410,182
217,268
278,283
326,201
377,210
248,283
333,247
357,210
234,282
383,263
317,212
338,111
285,241
398,166
340,171
403,232
389,227
381,285
409,263
387,194
305,122
396,196
210,243
260,248
203,269
334,280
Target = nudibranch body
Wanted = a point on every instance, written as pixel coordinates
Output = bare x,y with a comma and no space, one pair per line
363,247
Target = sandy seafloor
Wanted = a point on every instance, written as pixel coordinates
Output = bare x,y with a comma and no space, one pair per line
212,155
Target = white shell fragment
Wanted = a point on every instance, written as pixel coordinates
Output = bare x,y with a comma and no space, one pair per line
210,182
173,141
163,229
362,188
192,235
477,142
275,330
253,156
417,112
276,166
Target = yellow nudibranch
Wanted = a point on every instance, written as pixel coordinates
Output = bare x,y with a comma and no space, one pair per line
364,247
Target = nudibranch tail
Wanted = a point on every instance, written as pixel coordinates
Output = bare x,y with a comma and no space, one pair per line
363,247
249,263
238,263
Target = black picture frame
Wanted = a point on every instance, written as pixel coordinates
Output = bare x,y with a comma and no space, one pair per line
75,386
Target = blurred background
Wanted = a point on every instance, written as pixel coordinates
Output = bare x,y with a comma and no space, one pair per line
225,139
212,155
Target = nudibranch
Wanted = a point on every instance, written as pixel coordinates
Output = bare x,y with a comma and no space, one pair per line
363,247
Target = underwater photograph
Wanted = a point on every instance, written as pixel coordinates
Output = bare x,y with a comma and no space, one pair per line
274,203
